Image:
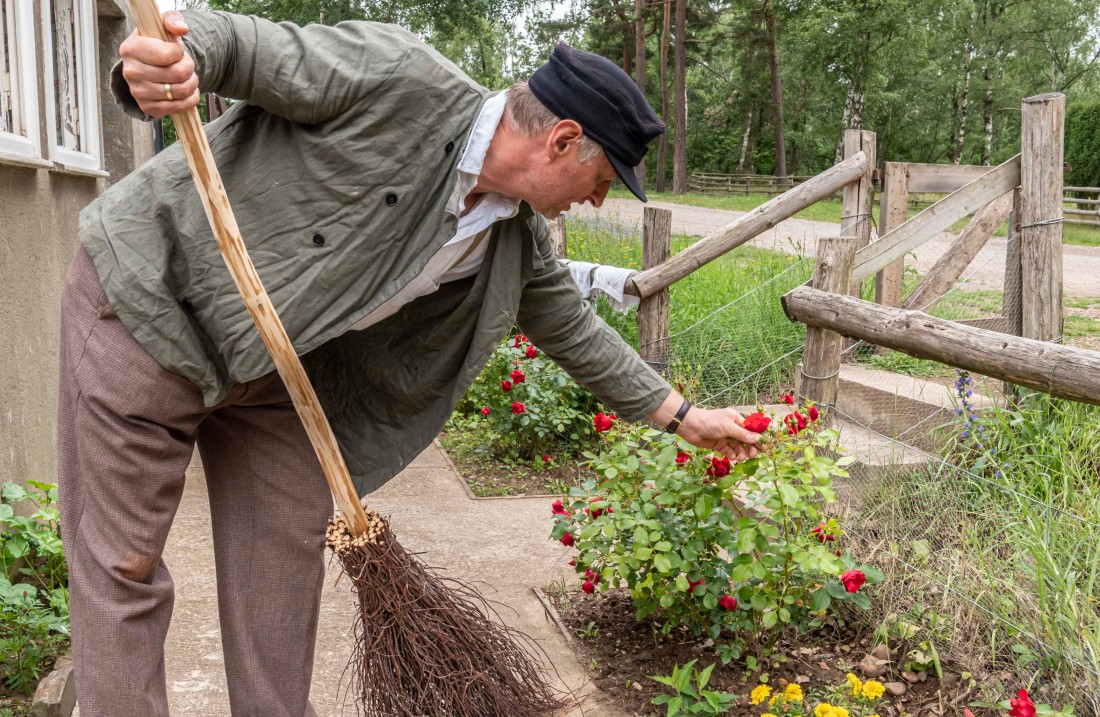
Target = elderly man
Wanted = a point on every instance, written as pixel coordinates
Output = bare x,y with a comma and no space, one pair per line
392,208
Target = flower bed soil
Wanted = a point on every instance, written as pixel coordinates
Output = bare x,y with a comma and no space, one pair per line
488,478
16,705
621,653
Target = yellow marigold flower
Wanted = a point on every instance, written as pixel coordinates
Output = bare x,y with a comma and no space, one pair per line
872,689
838,712
793,693
856,683
768,714
823,710
760,694
777,698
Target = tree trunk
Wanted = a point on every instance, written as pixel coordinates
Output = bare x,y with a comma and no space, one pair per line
964,102
987,115
679,153
744,165
845,123
639,69
777,94
662,147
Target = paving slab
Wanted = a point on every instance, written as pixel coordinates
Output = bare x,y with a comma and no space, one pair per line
499,546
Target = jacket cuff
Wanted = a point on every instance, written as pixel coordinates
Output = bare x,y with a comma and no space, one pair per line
121,91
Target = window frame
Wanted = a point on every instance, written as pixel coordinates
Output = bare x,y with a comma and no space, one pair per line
25,145
88,159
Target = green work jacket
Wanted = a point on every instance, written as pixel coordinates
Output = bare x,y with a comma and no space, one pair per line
340,163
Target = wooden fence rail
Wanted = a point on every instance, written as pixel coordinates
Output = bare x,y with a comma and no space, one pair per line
1059,370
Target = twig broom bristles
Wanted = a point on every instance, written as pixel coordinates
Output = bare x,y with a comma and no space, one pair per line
424,648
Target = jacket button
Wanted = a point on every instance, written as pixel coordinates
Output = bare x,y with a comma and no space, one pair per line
391,199
449,148
319,239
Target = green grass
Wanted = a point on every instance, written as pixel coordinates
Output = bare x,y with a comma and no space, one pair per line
716,347
830,211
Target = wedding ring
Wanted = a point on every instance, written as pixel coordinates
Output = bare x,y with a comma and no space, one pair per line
168,92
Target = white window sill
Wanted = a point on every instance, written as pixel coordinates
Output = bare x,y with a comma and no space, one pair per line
24,161
59,168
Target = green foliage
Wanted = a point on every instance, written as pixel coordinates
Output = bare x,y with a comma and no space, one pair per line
1083,144
733,551
34,610
544,412
690,695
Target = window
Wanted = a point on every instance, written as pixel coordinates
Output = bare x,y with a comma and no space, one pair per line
19,140
72,119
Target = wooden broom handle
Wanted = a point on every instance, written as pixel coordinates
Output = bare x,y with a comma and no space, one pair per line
214,200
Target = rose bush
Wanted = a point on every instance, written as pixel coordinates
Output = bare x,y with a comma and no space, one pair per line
528,407
733,551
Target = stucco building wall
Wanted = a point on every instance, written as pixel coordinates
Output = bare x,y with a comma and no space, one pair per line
39,208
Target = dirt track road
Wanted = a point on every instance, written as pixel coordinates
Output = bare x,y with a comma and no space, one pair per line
1081,276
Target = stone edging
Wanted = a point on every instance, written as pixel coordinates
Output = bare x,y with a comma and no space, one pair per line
56,693
552,614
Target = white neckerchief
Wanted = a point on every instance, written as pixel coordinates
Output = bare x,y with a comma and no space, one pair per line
490,208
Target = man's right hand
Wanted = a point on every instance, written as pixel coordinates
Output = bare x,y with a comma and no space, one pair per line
160,74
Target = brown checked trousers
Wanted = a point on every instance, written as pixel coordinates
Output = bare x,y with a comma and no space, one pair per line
126,433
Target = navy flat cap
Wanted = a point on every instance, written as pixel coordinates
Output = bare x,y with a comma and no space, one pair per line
595,93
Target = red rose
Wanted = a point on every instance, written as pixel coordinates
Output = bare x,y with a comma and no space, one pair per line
795,422
719,467
520,339
821,532
506,385
592,575
485,411
1023,706
558,509
573,562
518,376
757,422
787,399
595,512
853,580
546,457
812,413
588,587
693,583
682,458
532,352
567,540
602,422
728,601
518,407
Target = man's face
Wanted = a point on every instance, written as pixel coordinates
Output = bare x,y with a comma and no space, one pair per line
568,181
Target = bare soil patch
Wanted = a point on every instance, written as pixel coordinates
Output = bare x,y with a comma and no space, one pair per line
621,653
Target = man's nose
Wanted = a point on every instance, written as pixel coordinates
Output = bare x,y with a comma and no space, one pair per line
597,196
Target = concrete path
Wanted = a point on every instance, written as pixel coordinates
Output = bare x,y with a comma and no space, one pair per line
1081,275
499,545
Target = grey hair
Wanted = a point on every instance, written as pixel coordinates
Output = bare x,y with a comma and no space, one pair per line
529,118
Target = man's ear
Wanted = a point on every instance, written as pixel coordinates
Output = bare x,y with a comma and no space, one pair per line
564,134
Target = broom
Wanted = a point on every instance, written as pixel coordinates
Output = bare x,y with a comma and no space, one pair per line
424,647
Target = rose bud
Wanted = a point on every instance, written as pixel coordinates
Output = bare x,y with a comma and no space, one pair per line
682,458
787,399
588,587
518,376
518,407
505,385
813,413
485,411
520,339
532,352
729,602
567,540
558,508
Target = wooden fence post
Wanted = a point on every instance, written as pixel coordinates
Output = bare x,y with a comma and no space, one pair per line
1041,145
558,237
855,216
1013,289
820,374
892,213
653,310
